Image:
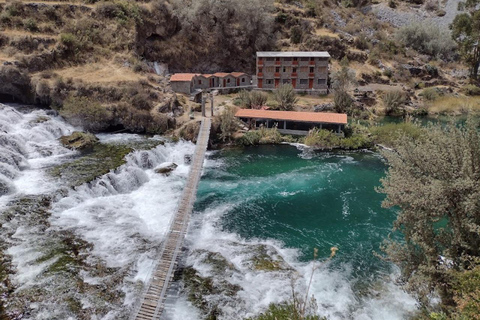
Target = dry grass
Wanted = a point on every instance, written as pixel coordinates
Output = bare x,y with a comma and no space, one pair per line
323,32
24,33
101,72
56,2
454,105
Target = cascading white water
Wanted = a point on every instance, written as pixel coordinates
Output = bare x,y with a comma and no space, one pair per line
115,223
86,254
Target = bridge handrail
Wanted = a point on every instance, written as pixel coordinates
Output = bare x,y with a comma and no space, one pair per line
188,193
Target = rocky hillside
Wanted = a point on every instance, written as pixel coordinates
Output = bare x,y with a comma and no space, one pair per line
95,61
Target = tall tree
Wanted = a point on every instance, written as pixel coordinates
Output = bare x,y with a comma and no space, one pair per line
466,32
434,181
342,81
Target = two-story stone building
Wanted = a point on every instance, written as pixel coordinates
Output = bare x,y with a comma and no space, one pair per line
305,71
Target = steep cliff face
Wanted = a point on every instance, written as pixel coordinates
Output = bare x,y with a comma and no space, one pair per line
208,36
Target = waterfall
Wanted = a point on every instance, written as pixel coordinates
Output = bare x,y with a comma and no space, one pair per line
85,250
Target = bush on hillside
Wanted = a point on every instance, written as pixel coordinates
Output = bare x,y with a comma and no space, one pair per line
394,102
471,90
285,96
429,39
252,99
342,101
430,94
228,125
81,111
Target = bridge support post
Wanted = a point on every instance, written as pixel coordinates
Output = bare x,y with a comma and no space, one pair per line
203,106
211,104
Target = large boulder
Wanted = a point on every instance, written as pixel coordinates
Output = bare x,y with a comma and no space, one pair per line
79,140
15,85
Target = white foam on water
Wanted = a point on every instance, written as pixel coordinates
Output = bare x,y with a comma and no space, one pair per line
333,288
124,214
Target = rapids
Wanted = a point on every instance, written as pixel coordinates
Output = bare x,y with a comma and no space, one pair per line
85,252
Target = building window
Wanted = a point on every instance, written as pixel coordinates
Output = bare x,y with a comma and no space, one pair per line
322,69
269,81
312,59
277,59
295,59
269,59
228,80
260,70
277,69
243,79
287,59
269,69
304,69
284,81
199,81
294,70
284,69
304,59
303,81
322,81
312,69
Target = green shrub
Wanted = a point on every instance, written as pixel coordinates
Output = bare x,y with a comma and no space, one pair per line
322,138
388,134
342,101
261,136
471,90
394,102
428,38
84,112
228,126
296,34
14,9
285,96
251,138
388,72
430,94
31,25
70,43
252,99
284,311
356,141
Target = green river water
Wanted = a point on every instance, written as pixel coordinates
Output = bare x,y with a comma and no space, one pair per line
305,200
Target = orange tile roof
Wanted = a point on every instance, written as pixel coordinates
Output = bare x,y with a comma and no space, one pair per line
237,74
207,75
221,74
183,76
322,117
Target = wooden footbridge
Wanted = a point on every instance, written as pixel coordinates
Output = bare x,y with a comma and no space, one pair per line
152,302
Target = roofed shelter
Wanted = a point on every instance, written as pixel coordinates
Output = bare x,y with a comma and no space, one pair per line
292,122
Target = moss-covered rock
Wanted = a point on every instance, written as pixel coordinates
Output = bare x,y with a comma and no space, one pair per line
200,288
79,140
166,168
267,258
99,161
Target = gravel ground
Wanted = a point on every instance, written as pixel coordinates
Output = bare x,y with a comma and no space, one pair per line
401,18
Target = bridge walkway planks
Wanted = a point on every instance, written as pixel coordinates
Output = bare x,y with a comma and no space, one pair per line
153,300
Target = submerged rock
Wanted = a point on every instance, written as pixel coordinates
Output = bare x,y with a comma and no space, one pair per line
101,159
79,140
267,258
166,168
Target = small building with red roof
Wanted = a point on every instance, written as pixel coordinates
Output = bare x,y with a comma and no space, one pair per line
189,82
183,82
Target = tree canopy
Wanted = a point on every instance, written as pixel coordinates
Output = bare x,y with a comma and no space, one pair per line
466,32
434,181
